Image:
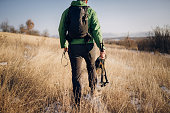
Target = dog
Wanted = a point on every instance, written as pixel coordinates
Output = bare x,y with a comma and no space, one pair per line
100,69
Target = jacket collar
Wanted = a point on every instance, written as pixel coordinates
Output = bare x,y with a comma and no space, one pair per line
78,3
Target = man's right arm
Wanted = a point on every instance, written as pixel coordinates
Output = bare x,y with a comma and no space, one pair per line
96,29
62,30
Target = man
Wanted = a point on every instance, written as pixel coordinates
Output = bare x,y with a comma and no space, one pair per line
80,27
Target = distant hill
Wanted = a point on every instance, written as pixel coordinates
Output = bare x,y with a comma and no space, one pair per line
120,35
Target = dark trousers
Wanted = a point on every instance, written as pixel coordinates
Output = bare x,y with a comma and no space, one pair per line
78,52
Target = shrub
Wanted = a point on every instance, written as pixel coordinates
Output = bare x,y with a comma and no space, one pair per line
12,29
127,43
34,32
161,39
45,33
158,40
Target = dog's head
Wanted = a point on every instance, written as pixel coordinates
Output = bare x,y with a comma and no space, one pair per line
98,63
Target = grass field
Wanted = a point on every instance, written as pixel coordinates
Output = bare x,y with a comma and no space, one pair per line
32,79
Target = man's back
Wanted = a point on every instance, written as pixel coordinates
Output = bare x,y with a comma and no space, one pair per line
77,21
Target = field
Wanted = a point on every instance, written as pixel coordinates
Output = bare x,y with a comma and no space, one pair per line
33,79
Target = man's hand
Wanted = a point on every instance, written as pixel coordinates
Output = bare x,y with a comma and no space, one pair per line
102,55
65,49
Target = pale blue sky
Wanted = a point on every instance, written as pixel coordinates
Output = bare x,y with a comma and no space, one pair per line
116,17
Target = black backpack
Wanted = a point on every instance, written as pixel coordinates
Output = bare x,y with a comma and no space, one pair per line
77,23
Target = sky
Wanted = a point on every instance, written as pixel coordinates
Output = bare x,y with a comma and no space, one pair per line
116,17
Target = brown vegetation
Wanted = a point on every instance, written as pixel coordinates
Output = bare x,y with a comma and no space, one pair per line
32,79
127,43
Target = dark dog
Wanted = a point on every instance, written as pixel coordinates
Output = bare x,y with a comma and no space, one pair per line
100,65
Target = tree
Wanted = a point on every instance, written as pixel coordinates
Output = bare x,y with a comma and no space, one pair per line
4,26
22,29
30,25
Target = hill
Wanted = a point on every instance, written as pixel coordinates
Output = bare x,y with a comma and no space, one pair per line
33,79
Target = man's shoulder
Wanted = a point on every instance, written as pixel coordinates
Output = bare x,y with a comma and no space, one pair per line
90,10
66,10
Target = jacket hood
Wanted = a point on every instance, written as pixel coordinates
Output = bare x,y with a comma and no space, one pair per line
78,3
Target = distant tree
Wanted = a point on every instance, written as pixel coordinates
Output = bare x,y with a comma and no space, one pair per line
45,33
12,29
22,29
161,39
4,26
30,25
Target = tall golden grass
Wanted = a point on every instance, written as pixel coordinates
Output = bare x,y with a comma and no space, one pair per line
33,79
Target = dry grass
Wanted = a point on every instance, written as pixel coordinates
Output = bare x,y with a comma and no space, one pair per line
34,80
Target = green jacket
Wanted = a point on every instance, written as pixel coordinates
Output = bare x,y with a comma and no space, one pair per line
93,23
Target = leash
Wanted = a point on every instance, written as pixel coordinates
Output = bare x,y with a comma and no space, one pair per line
64,56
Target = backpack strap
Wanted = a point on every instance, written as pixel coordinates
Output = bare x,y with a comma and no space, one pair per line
86,9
